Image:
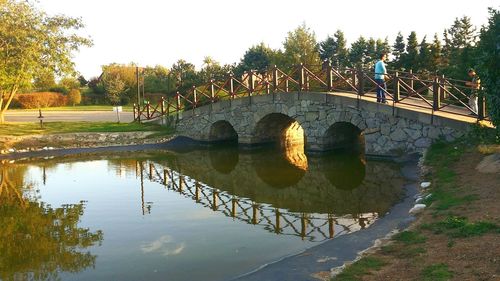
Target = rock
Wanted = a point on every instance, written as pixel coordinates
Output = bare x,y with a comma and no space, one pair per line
490,164
425,184
11,150
428,196
419,199
417,209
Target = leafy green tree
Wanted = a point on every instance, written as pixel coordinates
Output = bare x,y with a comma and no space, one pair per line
258,57
114,87
32,42
74,97
44,81
398,52
184,75
488,59
301,47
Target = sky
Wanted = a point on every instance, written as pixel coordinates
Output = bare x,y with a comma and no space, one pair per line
160,32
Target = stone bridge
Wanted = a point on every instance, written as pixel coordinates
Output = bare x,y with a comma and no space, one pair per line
321,121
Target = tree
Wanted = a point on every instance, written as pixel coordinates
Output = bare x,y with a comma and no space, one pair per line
398,51
334,49
436,55
74,97
184,73
424,56
410,59
114,87
258,57
488,65
301,47
32,42
358,55
460,40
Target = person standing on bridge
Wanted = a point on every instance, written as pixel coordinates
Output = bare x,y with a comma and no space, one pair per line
380,74
475,85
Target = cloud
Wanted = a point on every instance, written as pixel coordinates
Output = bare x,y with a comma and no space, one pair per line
163,245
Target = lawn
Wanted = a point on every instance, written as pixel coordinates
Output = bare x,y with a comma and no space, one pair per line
20,129
77,108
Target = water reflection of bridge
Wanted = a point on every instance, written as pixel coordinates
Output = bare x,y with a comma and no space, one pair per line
311,226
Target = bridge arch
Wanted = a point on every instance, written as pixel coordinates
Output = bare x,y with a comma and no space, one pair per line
222,130
343,135
279,128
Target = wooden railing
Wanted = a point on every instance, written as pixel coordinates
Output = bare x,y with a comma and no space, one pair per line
432,92
307,226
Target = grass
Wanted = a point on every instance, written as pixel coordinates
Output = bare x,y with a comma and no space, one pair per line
77,108
460,227
409,237
20,129
436,272
362,267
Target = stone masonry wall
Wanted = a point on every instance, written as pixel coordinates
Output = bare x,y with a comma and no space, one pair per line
387,131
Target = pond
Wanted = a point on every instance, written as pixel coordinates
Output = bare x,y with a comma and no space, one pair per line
195,214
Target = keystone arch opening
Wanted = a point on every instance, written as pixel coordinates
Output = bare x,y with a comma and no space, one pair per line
344,135
279,129
222,131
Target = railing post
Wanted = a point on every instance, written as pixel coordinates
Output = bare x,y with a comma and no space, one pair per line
178,102
168,107
148,110
361,81
302,78
212,90
481,106
250,83
135,116
436,94
329,77
162,106
231,86
275,79
411,80
397,89
195,97
354,77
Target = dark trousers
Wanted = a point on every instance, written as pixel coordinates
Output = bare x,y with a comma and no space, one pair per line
381,87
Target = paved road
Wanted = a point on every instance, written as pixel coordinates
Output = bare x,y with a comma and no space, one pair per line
67,116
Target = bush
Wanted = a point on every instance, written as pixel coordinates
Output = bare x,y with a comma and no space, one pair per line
41,99
74,97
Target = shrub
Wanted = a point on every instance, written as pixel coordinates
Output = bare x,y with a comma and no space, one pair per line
41,99
74,97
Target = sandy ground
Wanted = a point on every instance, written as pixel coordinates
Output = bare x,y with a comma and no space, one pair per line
68,116
472,258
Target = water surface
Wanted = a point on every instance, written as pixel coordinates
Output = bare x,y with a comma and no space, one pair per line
204,214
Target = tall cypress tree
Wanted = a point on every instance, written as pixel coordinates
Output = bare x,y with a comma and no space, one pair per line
424,56
342,51
410,59
435,53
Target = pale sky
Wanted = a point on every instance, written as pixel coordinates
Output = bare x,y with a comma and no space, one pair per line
151,32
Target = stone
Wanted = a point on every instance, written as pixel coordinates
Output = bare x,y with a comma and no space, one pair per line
414,134
434,133
312,116
382,140
423,143
385,129
425,184
398,135
490,164
417,209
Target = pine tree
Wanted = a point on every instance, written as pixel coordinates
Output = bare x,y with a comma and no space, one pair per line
435,53
424,56
334,49
358,53
460,40
410,59
342,51
398,51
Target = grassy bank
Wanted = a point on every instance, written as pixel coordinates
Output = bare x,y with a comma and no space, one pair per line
457,237
20,129
77,108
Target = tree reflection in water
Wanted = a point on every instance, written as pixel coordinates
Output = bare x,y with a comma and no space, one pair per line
38,241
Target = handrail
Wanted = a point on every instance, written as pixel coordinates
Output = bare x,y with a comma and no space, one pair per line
445,92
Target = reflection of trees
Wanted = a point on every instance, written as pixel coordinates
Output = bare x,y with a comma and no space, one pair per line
279,169
38,241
